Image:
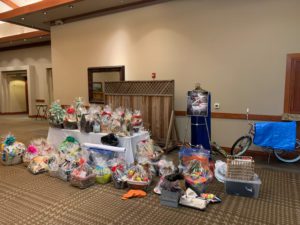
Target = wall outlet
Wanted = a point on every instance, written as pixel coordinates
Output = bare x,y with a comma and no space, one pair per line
217,105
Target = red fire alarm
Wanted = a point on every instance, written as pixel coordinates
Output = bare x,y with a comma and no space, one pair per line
153,76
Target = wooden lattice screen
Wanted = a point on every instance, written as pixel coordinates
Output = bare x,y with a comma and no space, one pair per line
155,99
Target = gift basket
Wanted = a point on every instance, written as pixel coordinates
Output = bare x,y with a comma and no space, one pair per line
119,176
164,168
147,148
105,159
94,112
79,108
196,171
12,151
37,147
53,165
116,121
82,176
102,171
69,149
38,164
86,123
139,177
137,121
121,122
56,115
106,119
70,120
118,169
29,154
64,170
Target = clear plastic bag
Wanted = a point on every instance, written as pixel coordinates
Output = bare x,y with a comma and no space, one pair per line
82,176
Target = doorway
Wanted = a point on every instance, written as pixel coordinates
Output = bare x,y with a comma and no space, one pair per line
15,91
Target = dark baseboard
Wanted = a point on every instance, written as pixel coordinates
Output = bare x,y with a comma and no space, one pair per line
13,113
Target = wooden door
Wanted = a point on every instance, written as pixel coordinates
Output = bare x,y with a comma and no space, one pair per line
292,84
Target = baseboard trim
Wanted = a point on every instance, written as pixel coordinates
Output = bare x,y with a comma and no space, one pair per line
252,152
35,116
238,116
14,113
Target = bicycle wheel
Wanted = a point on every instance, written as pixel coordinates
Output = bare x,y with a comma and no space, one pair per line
241,145
289,156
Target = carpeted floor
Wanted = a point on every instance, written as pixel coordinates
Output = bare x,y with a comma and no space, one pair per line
40,199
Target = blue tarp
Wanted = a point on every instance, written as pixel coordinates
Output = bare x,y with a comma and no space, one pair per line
276,135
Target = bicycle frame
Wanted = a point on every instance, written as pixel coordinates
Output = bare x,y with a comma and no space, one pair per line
242,144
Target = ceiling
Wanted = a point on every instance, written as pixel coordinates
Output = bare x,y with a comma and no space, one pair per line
42,14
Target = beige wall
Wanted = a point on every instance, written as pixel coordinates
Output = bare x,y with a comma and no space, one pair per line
235,49
39,59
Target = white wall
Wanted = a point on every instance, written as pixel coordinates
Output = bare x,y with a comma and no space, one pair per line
39,58
235,49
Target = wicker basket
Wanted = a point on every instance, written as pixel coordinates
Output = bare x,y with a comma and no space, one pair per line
240,167
83,182
9,161
141,185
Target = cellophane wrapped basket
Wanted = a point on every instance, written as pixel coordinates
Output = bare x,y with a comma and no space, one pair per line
147,148
103,175
82,176
84,182
12,151
56,115
139,177
196,171
38,164
118,169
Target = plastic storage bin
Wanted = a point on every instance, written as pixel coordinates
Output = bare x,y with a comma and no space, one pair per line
246,188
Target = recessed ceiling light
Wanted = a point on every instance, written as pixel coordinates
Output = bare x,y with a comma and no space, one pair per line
71,6
24,39
41,37
45,13
22,18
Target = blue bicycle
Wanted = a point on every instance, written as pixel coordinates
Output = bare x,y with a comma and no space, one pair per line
279,137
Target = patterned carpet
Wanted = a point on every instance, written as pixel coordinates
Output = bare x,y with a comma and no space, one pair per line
40,199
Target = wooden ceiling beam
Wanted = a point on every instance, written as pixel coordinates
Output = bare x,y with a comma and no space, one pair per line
28,35
39,6
10,4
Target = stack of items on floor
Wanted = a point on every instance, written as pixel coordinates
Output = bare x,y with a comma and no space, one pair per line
122,122
87,164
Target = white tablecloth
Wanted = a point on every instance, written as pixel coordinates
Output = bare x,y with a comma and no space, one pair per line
57,136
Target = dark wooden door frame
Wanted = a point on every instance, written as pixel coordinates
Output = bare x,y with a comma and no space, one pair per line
290,81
